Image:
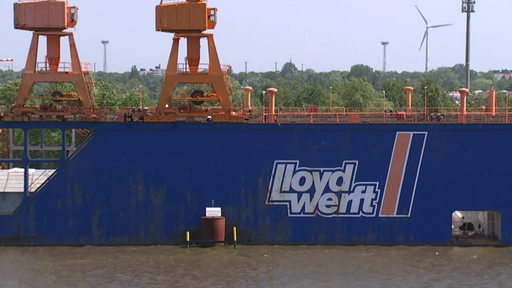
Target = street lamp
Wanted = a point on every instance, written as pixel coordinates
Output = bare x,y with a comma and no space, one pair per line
384,104
468,7
141,97
506,107
263,106
330,95
425,99
505,92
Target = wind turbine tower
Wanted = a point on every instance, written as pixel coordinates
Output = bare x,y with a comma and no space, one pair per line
426,35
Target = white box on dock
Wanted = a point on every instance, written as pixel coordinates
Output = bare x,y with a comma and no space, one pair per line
213,212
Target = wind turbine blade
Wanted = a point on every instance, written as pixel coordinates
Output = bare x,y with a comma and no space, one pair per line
439,26
421,14
424,38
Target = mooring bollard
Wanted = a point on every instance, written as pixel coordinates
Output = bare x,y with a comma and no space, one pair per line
234,237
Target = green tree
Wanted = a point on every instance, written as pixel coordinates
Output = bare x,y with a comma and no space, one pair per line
8,92
395,92
437,97
446,78
130,99
288,69
504,84
107,93
367,73
9,75
134,73
481,83
311,95
358,93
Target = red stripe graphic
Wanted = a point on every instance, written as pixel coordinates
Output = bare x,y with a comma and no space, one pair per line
396,174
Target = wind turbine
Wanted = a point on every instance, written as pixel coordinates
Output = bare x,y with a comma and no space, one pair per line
425,36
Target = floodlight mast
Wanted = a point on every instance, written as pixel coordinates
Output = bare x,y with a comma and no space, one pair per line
384,64
105,43
468,7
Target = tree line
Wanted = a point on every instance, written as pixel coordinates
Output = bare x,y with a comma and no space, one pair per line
361,87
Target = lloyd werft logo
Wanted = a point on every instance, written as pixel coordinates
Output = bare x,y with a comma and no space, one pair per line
338,192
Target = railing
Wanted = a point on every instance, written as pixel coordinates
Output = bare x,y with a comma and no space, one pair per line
203,67
377,115
64,67
311,115
317,115
171,1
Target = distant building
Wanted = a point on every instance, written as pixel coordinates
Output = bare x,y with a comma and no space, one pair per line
503,74
157,71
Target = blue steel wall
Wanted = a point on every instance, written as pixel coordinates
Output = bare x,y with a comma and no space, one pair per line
137,183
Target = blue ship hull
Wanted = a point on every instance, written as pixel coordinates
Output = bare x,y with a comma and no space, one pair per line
149,183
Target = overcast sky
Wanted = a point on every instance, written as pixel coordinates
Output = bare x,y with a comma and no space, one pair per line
323,35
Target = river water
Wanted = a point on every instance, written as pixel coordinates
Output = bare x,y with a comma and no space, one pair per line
255,266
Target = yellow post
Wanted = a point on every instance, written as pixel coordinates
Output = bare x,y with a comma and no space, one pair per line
234,237
187,238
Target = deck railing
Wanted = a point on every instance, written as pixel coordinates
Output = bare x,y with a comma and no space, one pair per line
335,115
311,115
378,116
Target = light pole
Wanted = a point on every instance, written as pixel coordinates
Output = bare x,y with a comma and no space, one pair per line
245,79
468,7
384,104
506,107
425,99
105,43
505,92
141,97
263,106
330,95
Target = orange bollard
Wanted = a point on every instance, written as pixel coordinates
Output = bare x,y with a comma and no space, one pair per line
408,99
272,104
463,103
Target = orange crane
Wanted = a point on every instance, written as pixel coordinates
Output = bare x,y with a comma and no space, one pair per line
190,19
50,19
